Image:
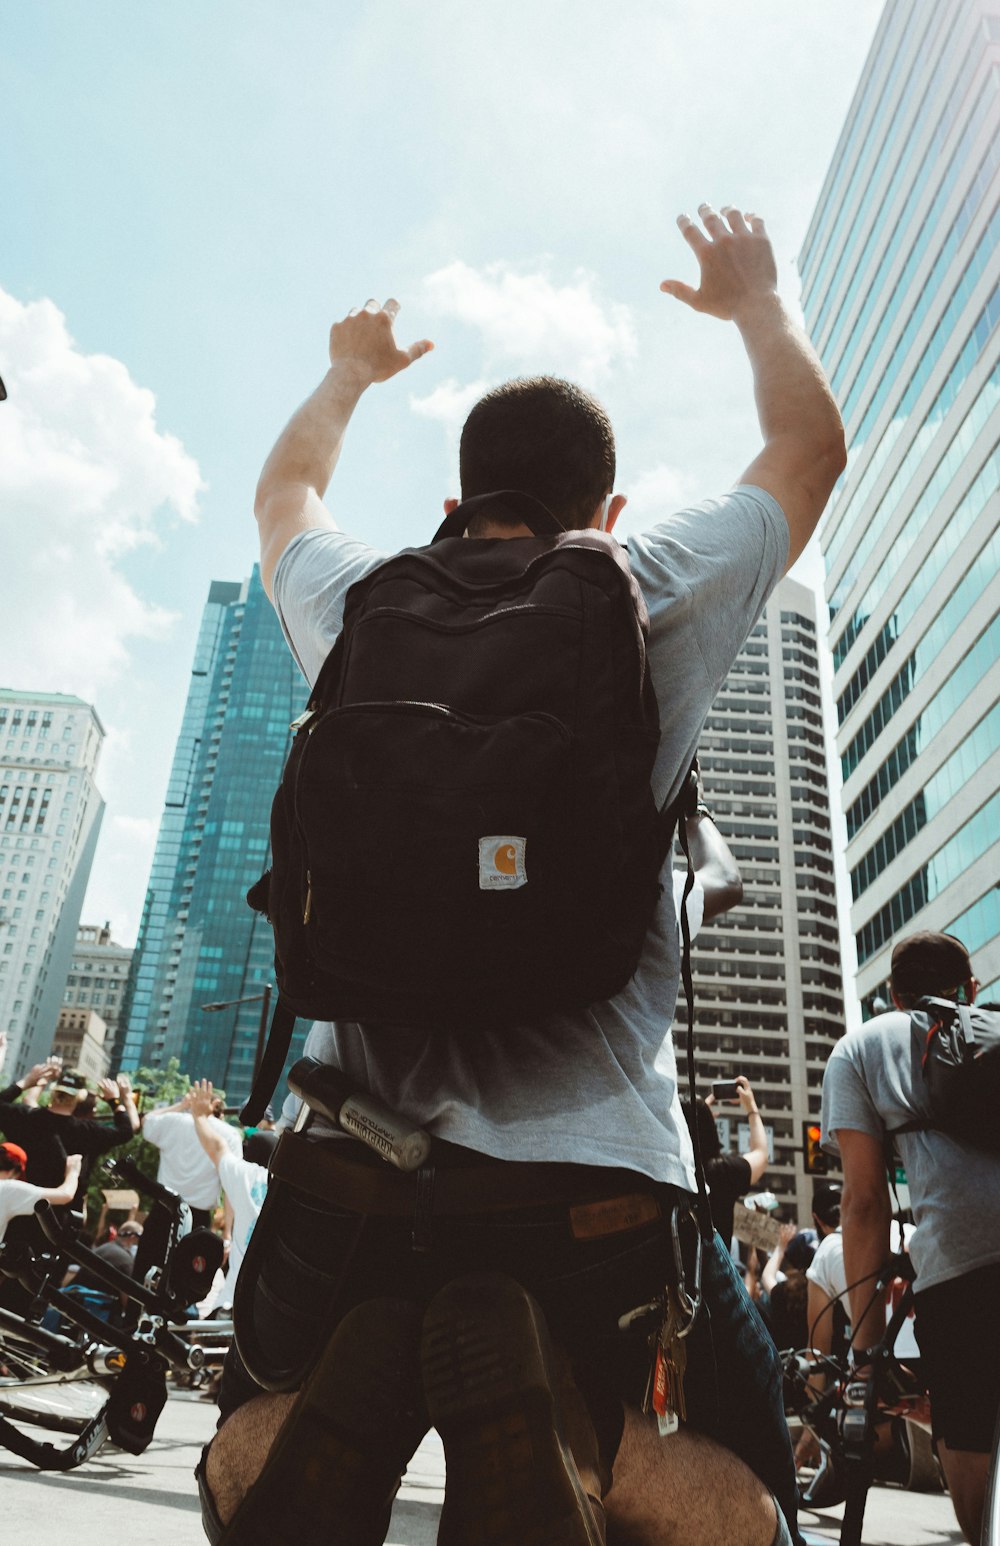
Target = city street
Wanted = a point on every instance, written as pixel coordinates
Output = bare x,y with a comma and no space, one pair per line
162,1505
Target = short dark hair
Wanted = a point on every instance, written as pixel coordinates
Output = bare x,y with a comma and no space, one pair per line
545,437
928,963
826,1203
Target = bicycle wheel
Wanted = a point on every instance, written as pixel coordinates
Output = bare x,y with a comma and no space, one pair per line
34,1390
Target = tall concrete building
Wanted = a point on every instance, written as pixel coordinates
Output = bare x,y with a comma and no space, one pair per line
767,978
199,943
98,975
901,290
50,816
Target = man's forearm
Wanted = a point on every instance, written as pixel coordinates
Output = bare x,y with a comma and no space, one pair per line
714,865
307,450
865,1226
213,1145
793,397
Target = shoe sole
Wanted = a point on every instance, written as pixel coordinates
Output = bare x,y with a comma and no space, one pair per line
336,1465
488,1379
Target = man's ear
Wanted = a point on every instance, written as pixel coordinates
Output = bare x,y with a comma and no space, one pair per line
450,505
615,509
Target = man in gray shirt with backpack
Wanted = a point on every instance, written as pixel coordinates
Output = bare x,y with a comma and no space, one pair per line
875,1085
539,1290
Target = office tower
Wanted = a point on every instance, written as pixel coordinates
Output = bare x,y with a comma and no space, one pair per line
98,974
901,290
199,943
50,816
81,1039
767,978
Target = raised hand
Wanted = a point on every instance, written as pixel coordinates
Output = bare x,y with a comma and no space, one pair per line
735,258
200,1098
364,342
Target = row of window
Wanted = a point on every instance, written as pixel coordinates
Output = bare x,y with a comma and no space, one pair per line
961,683
951,777
952,859
953,534
894,52
927,295
948,465
926,228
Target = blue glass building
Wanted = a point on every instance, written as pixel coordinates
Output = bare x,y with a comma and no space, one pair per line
901,291
199,943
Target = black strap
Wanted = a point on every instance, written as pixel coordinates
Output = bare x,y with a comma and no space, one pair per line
279,1039
704,1209
532,511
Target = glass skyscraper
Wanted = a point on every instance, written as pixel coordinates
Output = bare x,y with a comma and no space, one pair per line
199,942
901,291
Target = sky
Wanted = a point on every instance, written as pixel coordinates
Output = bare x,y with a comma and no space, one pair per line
193,193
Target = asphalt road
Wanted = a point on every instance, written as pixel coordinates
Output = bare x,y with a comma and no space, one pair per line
151,1498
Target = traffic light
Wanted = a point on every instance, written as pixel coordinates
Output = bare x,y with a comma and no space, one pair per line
816,1161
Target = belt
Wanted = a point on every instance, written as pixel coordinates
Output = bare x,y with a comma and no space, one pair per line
321,1170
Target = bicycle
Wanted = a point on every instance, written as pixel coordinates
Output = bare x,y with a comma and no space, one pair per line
95,1378
844,1419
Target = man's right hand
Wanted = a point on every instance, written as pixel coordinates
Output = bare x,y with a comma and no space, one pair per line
736,261
41,1073
364,344
200,1098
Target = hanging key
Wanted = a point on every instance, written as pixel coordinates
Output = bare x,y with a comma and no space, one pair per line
671,1361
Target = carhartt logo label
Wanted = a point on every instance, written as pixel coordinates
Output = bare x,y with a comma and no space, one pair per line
501,863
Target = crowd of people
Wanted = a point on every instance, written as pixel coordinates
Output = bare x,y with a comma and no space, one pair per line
51,1138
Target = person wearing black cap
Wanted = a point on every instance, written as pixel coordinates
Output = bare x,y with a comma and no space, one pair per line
49,1133
874,1086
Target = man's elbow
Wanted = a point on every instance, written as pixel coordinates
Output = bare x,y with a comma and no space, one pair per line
723,891
831,458
864,1207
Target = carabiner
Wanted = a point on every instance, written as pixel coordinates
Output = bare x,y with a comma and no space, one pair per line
690,1306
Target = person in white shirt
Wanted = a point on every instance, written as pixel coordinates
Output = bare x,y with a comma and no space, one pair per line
184,1165
244,1180
18,1197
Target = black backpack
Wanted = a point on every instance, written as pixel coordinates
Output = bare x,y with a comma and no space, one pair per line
959,1050
465,833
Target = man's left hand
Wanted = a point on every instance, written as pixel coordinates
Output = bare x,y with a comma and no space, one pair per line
364,343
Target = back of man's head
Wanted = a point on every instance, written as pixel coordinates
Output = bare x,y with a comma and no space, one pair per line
545,437
826,1205
928,964
69,1093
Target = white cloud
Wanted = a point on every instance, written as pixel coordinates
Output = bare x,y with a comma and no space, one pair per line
655,493
85,478
449,403
528,321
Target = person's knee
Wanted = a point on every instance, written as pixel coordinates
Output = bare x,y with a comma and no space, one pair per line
967,1473
236,1455
685,1488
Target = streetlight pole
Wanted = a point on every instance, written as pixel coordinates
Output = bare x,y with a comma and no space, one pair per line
264,999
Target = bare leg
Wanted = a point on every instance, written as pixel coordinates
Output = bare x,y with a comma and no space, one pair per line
685,1490
237,1454
966,1472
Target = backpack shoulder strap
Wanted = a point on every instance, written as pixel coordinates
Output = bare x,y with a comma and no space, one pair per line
279,1039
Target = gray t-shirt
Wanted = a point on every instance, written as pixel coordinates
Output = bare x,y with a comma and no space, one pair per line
597,1087
873,1083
